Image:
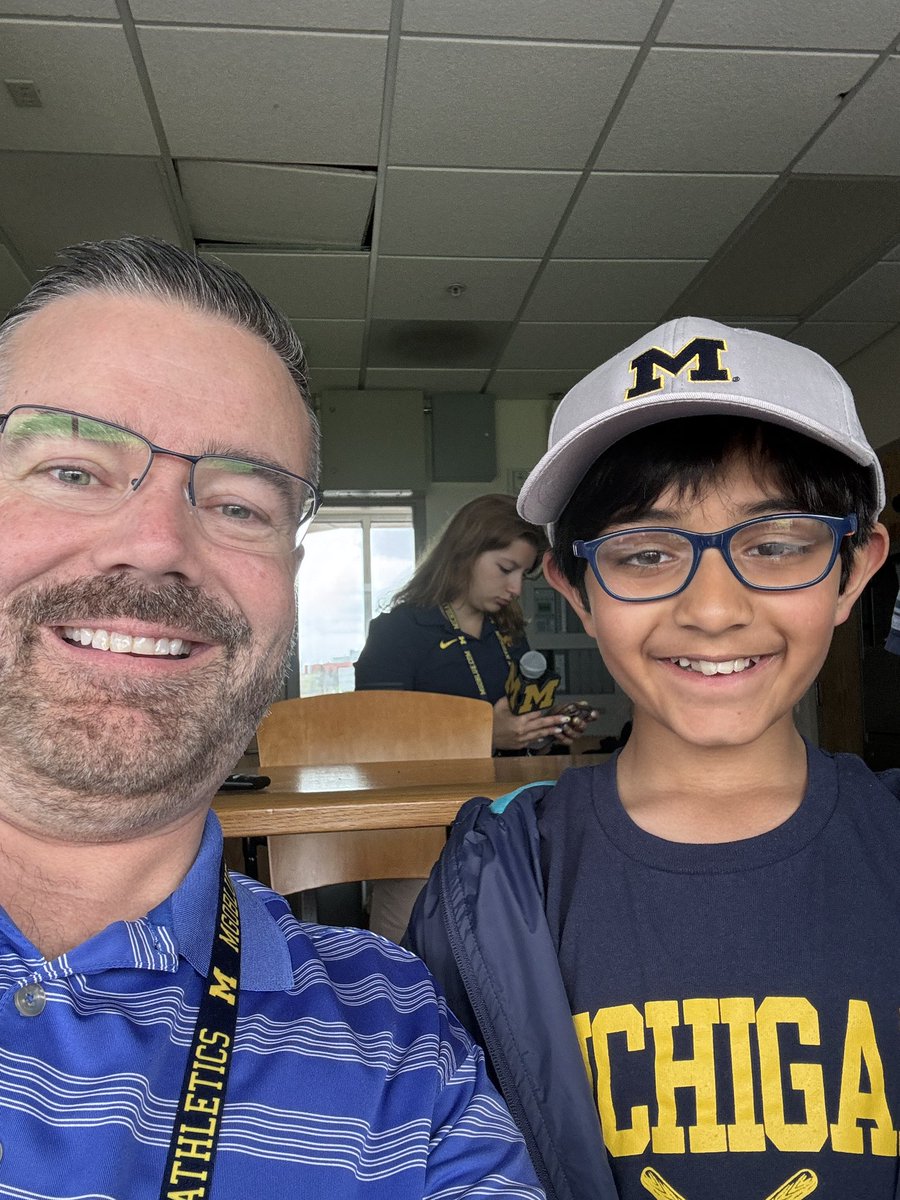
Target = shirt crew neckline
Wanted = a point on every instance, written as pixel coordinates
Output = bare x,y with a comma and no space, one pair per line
815,811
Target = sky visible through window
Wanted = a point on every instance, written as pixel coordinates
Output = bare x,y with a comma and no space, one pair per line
334,596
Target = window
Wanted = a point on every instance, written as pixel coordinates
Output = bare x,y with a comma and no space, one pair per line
355,560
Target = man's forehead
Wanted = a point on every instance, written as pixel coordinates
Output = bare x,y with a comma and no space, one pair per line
143,361
96,316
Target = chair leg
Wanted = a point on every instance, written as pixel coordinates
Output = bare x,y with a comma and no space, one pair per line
251,846
308,906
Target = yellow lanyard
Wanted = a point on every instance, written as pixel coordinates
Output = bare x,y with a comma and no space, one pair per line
192,1150
464,645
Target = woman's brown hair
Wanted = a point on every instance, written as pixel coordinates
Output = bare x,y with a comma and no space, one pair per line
486,523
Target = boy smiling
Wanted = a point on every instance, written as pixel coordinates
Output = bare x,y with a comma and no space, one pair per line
712,912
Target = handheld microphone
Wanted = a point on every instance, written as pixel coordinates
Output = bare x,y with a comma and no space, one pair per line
531,686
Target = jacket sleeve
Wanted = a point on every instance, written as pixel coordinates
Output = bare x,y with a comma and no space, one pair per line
480,926
427,938
389,656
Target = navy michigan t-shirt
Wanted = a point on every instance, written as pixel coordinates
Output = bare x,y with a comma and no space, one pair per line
738,1004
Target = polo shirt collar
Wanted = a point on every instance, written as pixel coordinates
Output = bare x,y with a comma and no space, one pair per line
429,616
181,927
190,914
434,616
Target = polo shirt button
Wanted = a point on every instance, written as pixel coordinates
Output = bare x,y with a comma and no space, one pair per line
30,999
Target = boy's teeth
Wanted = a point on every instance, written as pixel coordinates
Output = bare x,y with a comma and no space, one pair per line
123,643
705,667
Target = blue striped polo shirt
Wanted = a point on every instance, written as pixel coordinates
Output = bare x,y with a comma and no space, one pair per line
349,1077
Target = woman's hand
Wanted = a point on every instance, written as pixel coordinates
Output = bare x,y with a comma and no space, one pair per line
574,727
513,732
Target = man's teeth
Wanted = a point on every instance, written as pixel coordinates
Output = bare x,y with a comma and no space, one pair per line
122,643
705,667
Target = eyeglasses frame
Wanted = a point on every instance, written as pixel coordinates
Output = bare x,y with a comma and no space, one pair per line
841,527
193,459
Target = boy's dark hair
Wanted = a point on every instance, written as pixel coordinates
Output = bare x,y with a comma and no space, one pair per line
691,453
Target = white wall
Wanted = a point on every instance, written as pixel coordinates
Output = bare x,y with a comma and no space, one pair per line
874,378
521,440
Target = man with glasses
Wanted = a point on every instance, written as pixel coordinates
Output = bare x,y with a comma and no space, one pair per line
166,1029
683,961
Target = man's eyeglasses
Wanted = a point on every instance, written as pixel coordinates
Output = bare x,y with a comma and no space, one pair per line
77,462
779,553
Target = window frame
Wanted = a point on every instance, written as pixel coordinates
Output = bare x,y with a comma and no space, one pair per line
365,511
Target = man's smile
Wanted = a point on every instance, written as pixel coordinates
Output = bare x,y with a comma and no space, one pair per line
118,642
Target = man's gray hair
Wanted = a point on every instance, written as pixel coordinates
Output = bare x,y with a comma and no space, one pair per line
146,266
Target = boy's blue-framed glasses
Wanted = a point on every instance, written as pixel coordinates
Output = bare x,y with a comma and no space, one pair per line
74,461
779,553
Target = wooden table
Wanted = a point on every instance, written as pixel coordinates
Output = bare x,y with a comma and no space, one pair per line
394,795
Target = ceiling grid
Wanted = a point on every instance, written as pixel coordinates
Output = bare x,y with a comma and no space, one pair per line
446,195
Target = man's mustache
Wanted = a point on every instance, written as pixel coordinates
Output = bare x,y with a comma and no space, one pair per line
202,618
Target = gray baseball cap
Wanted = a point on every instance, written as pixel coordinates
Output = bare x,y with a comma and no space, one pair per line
687,368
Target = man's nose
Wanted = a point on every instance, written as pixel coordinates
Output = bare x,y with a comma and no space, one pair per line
154,529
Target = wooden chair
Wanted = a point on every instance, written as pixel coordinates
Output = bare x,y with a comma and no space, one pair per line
357,727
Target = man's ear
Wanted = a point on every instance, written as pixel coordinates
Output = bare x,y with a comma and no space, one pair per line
558,581
298,558
866,561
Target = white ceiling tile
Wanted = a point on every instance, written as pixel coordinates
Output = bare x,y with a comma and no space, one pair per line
103,9
567,345
838,340
491,214
259,202
533,383
581,20
502,104
288,14
824,24
636,290
875,296
268,97
323,378
865,137
722,110
425,380
331,343
417,288
658,216
91,98
135,200
13,284
321,286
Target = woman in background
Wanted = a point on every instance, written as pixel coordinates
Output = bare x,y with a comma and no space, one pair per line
456,627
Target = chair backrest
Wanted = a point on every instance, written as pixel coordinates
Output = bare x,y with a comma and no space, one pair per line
357,727
375,726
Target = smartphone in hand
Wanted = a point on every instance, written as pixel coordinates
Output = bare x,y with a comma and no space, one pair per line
575,708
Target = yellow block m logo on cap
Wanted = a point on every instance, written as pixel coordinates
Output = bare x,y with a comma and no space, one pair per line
704,353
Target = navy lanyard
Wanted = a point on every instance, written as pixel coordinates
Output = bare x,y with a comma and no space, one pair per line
192,1151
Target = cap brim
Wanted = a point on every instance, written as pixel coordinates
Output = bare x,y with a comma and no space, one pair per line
551,483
